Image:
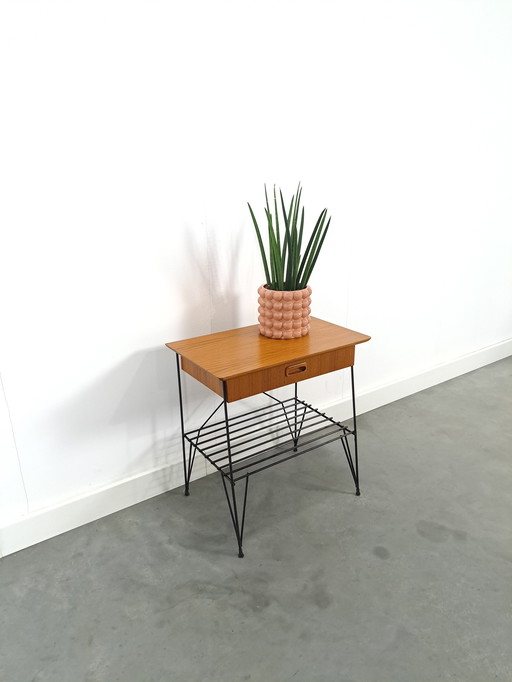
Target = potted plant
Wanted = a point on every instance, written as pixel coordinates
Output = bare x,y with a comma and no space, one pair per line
285,298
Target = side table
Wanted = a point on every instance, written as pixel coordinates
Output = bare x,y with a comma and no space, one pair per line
239,363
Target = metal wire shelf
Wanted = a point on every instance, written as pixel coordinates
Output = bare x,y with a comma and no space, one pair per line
264,437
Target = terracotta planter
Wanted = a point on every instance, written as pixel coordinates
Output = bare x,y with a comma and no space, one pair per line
284,314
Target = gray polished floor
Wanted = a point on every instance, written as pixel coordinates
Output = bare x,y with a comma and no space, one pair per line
410,582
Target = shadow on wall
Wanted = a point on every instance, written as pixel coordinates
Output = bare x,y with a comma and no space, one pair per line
225,302
129,414
127,421
211,301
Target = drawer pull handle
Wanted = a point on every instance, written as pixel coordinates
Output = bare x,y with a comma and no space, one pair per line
296,369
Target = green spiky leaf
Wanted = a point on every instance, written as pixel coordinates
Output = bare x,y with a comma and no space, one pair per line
285,267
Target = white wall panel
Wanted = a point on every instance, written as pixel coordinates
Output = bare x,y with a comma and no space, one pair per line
132,136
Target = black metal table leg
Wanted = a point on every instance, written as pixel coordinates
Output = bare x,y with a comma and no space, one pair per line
232,502
352,461
296,431
356,463
230,491
187,468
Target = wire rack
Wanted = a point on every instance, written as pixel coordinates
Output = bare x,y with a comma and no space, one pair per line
264,437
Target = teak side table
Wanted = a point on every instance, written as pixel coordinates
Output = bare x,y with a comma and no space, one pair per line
240,363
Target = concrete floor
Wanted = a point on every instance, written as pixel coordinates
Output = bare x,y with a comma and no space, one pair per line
410,582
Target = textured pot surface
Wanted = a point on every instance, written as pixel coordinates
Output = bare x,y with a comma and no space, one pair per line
284,314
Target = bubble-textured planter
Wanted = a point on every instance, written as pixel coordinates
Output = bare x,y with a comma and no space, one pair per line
284,314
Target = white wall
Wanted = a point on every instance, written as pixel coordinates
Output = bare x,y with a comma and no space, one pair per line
134,133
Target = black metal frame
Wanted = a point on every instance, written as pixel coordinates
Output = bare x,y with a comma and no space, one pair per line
239,446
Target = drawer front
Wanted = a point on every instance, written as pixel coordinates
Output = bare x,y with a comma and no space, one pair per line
282,375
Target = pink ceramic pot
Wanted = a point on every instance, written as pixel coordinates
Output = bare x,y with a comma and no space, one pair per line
284,314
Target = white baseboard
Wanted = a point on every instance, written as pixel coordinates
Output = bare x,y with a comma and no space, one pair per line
388,393
47,523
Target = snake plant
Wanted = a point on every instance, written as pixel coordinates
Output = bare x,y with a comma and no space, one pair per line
286,267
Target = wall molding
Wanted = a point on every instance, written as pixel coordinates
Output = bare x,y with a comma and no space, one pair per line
384,394
38,526
43,524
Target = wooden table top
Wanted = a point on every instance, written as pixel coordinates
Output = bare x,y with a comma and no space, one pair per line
236,352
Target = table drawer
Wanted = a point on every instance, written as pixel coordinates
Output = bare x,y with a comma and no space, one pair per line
266,379
288,373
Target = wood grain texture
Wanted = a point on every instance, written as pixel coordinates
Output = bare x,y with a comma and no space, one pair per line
239,351
213,383
261,380
248,363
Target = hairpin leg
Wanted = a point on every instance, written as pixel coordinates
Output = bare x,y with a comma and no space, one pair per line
187,466
232,500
